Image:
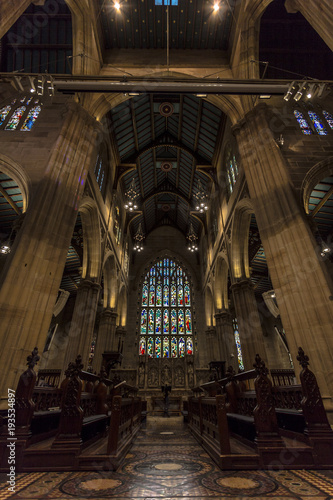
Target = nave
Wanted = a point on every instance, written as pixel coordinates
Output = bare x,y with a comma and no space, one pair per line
165,462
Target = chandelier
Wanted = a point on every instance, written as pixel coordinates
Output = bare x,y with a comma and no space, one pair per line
192,239
138,238
201,198
131,194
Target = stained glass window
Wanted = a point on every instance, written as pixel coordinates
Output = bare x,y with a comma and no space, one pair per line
328,117
231,168
302,123
15,118
238,344
31,118
100,172
317,123
168,322
3,113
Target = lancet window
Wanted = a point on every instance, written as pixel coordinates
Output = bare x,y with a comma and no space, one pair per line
166,323
302,123
21,114
329,118
238,345
231,168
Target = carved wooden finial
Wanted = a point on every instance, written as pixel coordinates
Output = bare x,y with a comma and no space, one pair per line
302,358
260,366
230,373
74,368
33,358
102,374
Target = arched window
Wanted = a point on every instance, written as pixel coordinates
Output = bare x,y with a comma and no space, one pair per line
302,123
24,104
166,325
100,172
231,168
328,117
317,123
238,344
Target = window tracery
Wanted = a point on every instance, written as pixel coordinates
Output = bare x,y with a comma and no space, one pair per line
317,123
166,325
231,168
238,344
329,118
11,115
304,126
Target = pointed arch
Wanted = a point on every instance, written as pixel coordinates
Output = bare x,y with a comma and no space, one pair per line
15,170
240,238
110,281
209,306
122,306
91,265
318,172
221,282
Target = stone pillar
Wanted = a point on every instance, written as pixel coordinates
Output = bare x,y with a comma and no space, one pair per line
226,339
249,324
105,337
301,283
318,13
82,326
212,345
32,274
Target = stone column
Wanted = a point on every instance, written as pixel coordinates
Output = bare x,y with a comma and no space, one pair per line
32,274
226,339
318,13
301,283
105,337
212,346
249,324
82,326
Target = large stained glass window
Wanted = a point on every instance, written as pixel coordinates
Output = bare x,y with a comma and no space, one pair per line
238,345
166,326
14,113
15,118
231,168
31,118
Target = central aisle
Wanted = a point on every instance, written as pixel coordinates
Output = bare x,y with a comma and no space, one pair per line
166,462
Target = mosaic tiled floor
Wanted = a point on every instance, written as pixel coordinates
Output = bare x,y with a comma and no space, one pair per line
165,462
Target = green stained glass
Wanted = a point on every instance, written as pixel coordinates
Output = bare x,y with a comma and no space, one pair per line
158,347
158,321
143,321
145,295
166,296
142,348
158,295
188,322
181,351
173,347
150,347
15,118
31,118
187,295
151,321
166,350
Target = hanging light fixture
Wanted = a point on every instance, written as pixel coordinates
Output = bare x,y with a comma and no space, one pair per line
192,239
131,194
5,247
201,198
138,238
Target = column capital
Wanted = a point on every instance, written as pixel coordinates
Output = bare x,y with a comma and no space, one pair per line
222,314
88,284
242,284
109,312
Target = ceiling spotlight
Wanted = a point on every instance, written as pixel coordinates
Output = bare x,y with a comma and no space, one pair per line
289,92
216,7
300,91
117,6
311,90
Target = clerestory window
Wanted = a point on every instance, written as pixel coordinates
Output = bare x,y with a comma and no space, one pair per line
21,114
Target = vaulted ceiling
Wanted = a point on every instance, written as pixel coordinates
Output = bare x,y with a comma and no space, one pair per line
172,155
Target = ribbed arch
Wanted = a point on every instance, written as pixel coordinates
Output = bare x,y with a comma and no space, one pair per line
240,239
91,265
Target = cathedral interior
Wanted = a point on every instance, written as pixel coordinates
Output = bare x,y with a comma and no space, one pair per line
167,216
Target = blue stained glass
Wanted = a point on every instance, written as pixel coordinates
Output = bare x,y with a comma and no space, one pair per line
173,347
230,183
180,322
145,295
158,347
152,296
151,321
3,113
166,349
31,118
302,123
166,321
150,347
180,296
329,118
15,118
173,296
166,281
317,123
173,322
238,345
